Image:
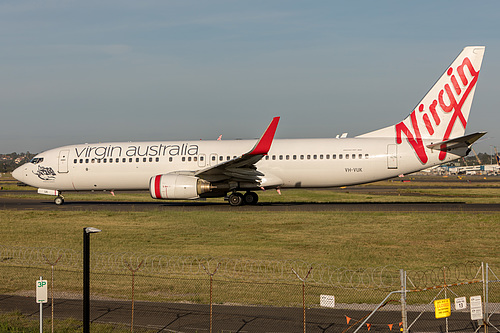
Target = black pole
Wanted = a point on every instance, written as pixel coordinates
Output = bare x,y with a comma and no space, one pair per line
86,281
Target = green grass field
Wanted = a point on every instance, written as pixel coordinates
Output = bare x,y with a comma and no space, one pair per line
410,240
351,239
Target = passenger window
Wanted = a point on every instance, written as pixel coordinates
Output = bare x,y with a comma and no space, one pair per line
308,157
366,155
201,159
228,158
170,159
360,156
117,160
301,157
183,159
274,157
281,157
334,156
213,158
221,158
150,159
287,157
294,157
340,156
137,159
74,161
144,159
320,157
267,157
104,160
130,160
327,156
81,160
346,156
189,159
194,158
110,160
157,159
124,160
353,156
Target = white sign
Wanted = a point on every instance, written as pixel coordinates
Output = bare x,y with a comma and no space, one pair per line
328,301
476,308
41,291
460,303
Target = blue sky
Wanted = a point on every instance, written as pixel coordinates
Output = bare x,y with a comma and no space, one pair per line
118,70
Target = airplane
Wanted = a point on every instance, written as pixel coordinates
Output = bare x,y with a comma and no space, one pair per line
432,134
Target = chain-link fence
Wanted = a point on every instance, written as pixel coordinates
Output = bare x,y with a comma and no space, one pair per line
184,294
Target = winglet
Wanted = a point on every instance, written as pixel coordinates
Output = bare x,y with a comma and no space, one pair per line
265,141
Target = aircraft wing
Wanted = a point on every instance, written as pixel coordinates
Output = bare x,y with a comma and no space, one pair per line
460,142
242,168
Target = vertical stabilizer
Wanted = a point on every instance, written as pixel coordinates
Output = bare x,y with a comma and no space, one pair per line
443,112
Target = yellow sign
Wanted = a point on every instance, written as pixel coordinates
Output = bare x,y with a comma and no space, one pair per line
442,308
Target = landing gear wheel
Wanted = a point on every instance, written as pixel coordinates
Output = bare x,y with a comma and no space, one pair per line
235,199
250,198
59,201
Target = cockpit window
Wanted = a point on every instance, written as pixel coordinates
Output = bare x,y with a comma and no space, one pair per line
36,160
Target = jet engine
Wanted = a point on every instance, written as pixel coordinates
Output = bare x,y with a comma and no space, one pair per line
172,186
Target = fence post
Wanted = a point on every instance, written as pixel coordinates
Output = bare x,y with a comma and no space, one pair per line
133,287
445,295
303,293
52,264
211,277
404,316
485,315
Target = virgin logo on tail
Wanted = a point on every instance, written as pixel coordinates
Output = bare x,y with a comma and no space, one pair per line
435,116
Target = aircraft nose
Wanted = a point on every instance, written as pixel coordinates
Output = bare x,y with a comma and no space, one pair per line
19,172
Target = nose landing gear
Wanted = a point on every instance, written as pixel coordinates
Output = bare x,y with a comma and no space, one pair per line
59,200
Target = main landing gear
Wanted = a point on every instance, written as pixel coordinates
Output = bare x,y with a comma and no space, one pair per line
238,199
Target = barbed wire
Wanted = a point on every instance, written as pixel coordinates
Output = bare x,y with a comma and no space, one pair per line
456,273
243,269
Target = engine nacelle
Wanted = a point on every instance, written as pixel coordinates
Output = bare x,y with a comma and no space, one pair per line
171,186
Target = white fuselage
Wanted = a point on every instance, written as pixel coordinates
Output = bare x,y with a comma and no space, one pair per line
289,163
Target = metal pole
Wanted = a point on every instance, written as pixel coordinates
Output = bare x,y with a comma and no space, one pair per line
86,277
483,276
404,317
52,264
445,296
86,281
41,315
485,317
303,293
375,310
211,278
52,297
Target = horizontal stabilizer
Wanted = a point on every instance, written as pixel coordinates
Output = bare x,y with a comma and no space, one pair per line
460,142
